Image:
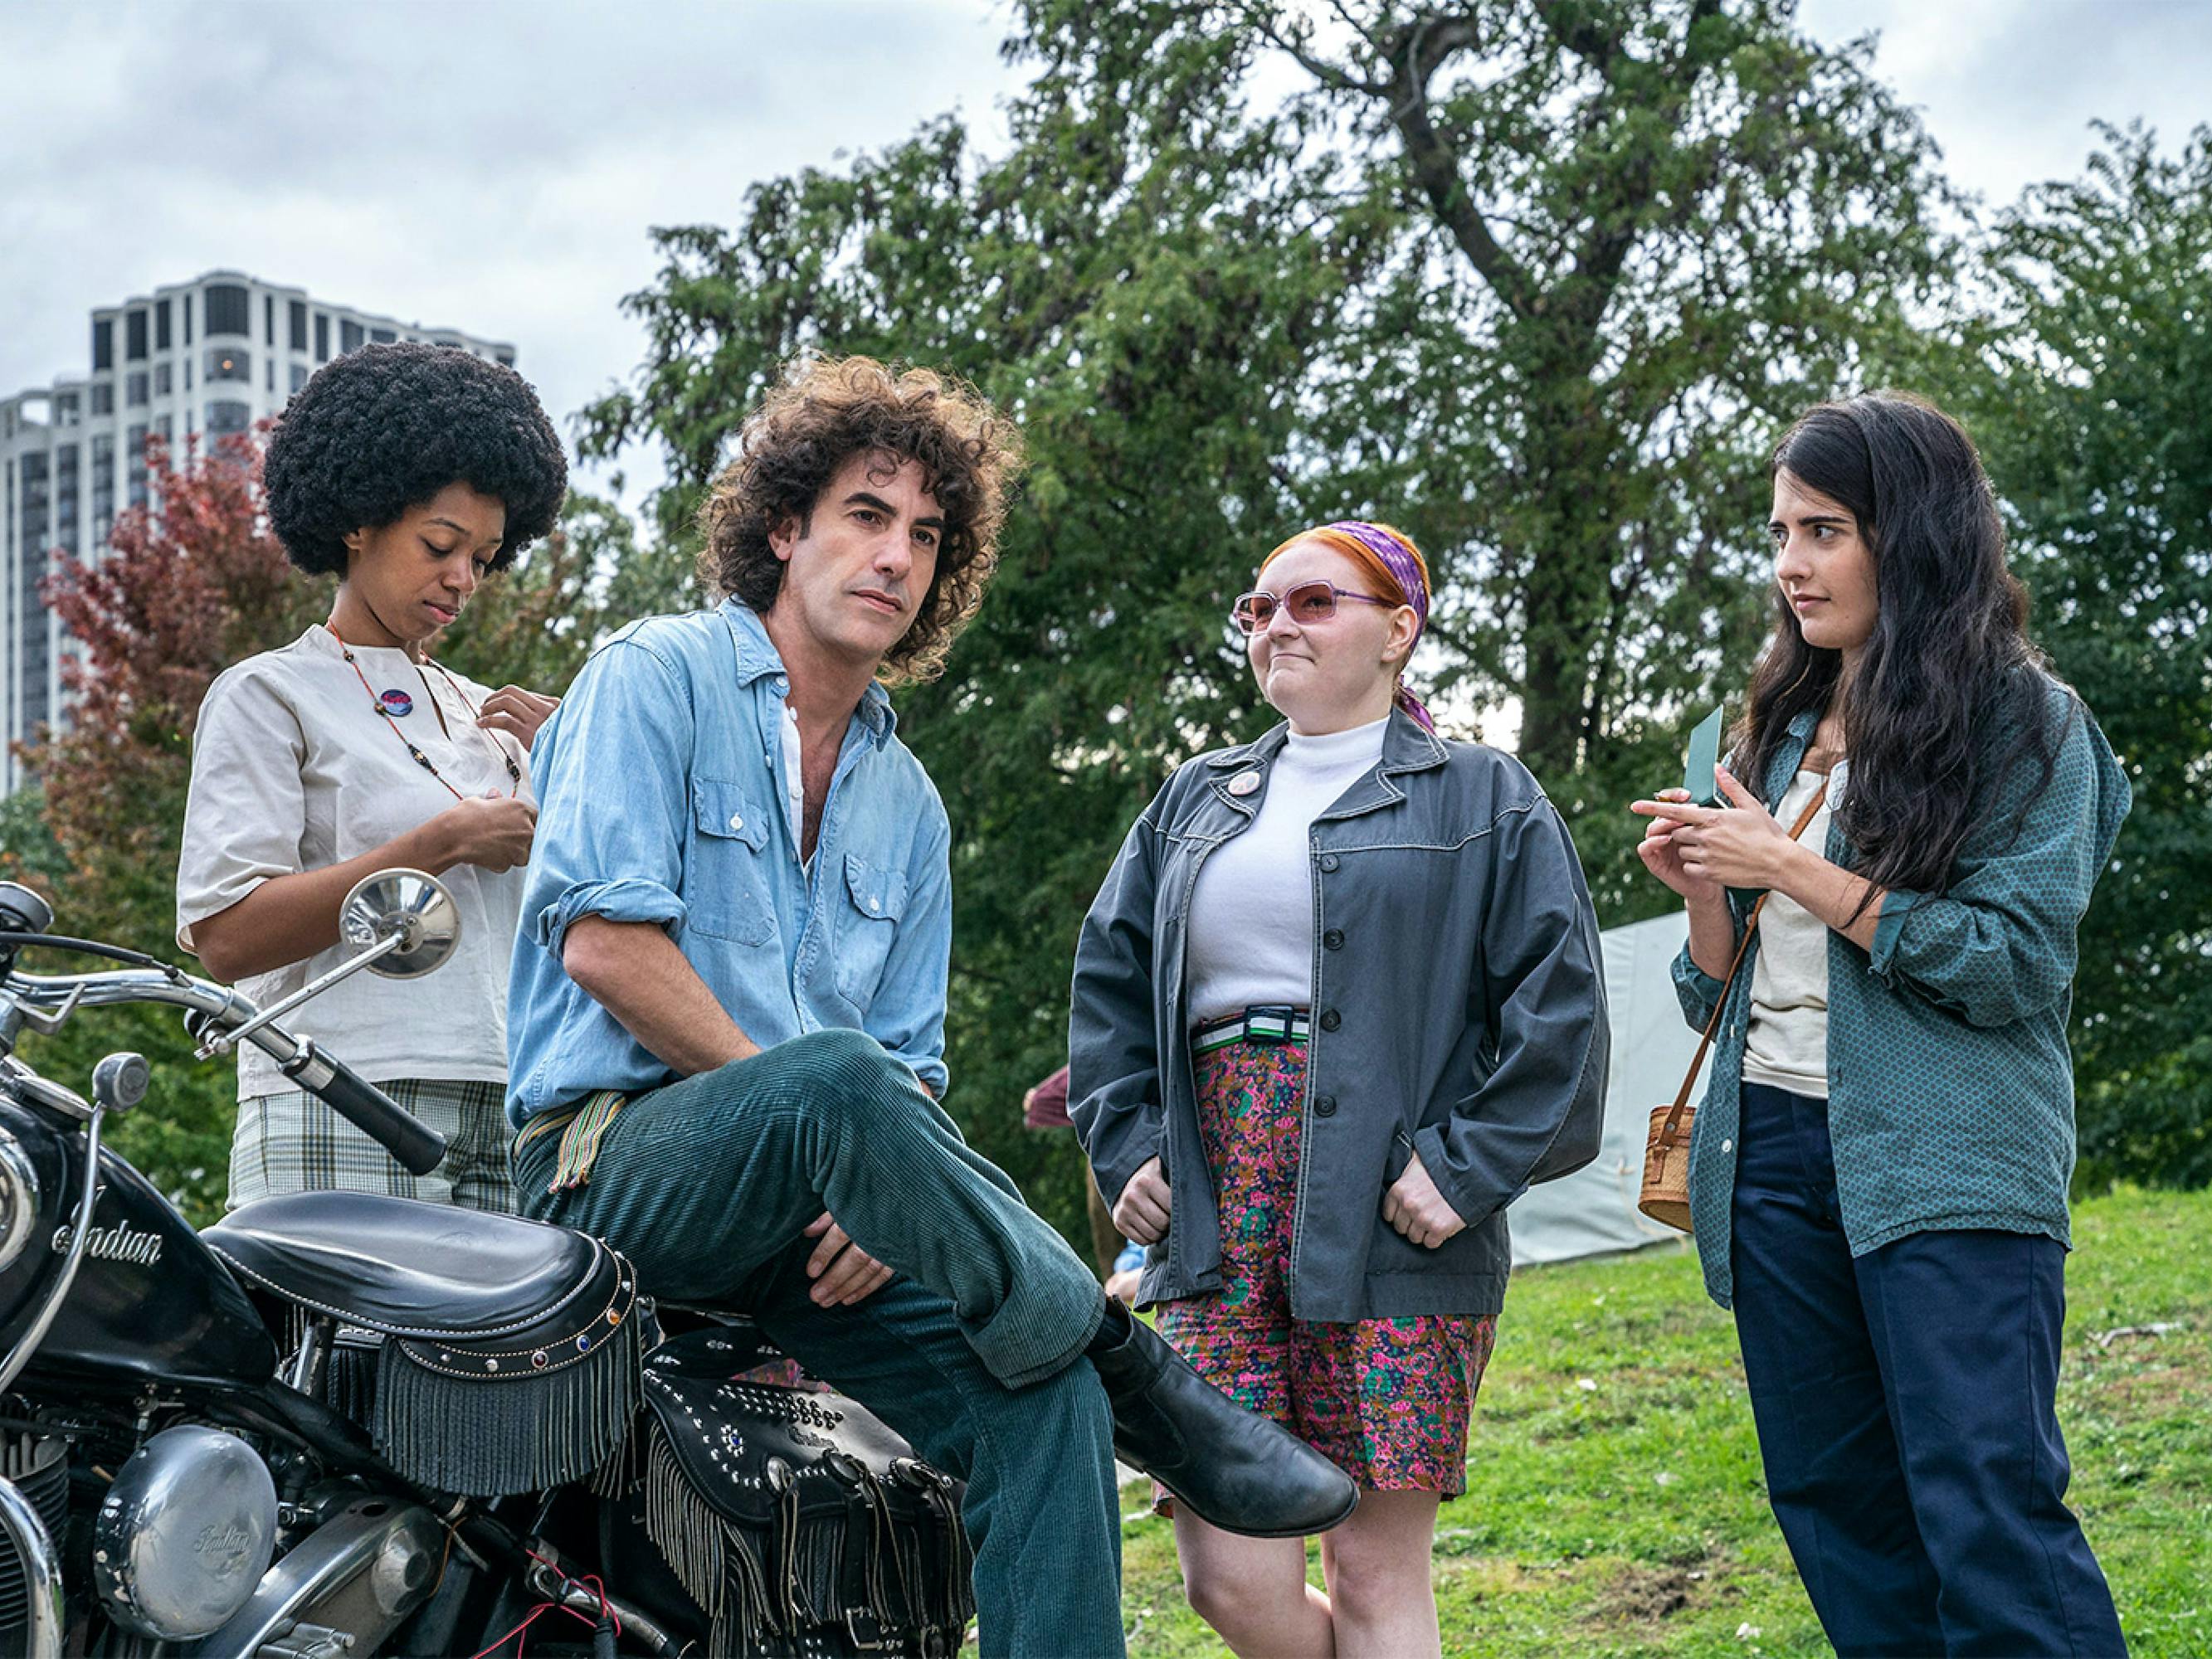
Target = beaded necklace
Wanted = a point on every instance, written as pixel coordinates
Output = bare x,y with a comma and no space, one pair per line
514,772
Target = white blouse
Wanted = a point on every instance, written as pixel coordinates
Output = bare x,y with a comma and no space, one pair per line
1251,914
1786,1038
293,769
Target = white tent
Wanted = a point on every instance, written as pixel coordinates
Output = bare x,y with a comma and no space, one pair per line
1594,1210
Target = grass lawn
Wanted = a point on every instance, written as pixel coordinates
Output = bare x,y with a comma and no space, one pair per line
1615,1505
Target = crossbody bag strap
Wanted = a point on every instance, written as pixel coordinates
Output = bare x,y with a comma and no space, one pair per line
1682,1095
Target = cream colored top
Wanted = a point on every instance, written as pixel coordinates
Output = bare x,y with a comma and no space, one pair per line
292,770
1786,1041
1251,931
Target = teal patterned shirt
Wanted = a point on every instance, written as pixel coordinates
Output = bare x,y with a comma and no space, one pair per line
1950,1084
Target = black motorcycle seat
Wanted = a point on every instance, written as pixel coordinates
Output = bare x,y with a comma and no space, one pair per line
414,1269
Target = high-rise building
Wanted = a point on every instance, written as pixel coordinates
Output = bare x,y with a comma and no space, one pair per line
196,360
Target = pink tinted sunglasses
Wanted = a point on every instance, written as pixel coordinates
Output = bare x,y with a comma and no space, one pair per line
1307,602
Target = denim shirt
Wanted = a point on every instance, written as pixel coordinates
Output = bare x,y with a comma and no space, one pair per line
661,787
1950,1084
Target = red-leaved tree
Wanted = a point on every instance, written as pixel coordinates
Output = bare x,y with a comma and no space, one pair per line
188,584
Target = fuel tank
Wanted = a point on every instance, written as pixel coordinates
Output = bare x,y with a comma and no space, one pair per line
150,1302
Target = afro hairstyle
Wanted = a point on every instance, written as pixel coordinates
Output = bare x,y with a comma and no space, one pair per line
386,427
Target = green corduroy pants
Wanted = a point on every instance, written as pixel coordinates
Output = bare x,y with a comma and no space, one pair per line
974,1352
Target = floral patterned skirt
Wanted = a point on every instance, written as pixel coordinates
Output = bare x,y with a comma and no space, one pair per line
1387,1401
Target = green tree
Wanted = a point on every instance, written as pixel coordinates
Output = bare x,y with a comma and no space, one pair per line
1628,242
2092,398
1141,288
1121,284
1536,282
28,851
534,623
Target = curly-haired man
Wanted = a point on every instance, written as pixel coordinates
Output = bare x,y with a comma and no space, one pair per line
728,1006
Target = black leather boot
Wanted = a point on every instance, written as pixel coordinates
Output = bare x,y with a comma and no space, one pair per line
1237,1471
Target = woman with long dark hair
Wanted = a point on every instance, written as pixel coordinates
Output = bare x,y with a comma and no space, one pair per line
1878,1176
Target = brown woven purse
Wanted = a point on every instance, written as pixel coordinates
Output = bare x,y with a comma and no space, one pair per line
1666,1195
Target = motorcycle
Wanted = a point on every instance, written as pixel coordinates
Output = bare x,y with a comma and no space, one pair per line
335,1425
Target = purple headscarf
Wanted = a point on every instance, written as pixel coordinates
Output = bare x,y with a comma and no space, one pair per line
1390,554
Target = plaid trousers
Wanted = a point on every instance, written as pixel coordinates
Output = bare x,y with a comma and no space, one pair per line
292,1143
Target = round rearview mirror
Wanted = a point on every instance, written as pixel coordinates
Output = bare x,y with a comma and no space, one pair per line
413,905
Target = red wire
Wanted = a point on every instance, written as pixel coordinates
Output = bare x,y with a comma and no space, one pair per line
597,1589
541,1608
590,1579
529,1620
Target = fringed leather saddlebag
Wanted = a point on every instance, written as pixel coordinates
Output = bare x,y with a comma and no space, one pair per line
487,1416
509,1355
798,1521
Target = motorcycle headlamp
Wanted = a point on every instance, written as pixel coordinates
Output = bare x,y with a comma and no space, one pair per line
19,1200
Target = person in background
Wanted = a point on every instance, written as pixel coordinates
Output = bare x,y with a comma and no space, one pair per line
1337,1005
411,472
1128,1272
1045,1107
1878,1176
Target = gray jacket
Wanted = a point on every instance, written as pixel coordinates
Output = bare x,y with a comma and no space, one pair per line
1459,1010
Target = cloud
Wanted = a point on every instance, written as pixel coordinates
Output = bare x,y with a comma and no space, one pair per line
493,167
2009,88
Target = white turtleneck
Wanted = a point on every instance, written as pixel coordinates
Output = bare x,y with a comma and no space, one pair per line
1251,938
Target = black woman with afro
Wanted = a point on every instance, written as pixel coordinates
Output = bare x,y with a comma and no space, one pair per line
411,472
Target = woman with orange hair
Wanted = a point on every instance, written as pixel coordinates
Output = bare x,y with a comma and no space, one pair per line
1337,1005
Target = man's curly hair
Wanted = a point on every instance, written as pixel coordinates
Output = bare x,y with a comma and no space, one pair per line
386,427
820,414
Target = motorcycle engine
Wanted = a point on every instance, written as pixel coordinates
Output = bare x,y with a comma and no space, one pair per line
37,1466
184,1534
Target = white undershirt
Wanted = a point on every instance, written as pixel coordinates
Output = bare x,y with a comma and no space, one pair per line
794,788
1786,1038
1251,914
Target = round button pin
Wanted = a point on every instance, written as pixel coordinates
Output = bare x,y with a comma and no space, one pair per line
737,820
1244,783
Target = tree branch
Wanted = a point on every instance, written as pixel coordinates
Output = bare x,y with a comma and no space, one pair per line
1333,76
1419,52
1344,12
1613,236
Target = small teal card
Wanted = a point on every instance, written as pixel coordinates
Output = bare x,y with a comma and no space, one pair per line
1704,760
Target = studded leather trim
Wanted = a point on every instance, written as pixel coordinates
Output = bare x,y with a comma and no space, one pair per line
457,1360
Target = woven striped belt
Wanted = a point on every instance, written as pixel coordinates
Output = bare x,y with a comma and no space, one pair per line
581,1129
1272,1023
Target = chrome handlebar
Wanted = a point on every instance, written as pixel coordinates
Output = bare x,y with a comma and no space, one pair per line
44,1002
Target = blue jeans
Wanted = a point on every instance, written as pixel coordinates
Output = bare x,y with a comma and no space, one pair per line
974,1352
1906,1403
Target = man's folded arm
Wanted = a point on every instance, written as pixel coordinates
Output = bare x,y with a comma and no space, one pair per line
607,868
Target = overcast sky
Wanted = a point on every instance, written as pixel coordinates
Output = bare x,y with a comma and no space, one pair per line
494,165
